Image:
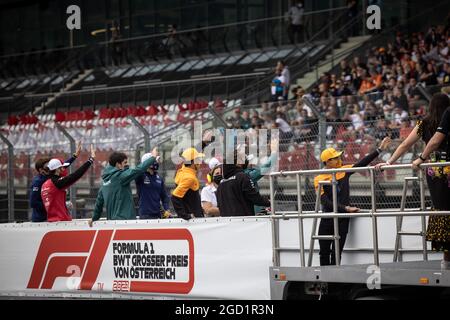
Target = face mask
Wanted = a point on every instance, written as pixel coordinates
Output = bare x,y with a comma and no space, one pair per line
217,179
126,167
155,167
63,173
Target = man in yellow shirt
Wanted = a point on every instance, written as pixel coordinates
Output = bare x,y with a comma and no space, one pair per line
186,197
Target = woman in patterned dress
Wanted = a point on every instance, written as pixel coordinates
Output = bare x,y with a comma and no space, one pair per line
438,179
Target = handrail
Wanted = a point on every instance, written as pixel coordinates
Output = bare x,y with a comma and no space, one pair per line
150,84
358,169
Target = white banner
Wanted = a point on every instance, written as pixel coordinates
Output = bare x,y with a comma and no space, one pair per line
202,258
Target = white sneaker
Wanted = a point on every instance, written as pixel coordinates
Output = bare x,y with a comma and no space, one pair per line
445,265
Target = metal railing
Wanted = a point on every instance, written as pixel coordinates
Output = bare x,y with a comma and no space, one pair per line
373,213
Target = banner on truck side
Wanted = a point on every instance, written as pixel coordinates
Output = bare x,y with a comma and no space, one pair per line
207,258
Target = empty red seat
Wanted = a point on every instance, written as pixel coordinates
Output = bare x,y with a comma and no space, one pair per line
13,120
140,111
105,113
152,110
60,116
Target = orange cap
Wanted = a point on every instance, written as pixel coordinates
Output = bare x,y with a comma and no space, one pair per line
330,153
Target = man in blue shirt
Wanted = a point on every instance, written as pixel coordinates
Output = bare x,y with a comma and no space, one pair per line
39,213
152,193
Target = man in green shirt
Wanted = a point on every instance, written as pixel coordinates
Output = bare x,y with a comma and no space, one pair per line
115,192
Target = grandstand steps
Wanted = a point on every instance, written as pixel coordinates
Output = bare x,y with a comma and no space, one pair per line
83,75
330,60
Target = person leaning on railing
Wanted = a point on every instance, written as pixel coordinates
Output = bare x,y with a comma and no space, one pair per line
332,160
433,132
439,226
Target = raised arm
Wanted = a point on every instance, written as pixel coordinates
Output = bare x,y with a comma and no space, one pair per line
129,175
404,147
65,182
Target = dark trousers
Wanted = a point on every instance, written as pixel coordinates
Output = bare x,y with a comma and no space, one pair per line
295,33
327,250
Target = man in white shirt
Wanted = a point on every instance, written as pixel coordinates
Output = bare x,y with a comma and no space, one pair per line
399,115
208,194
295,14
286,74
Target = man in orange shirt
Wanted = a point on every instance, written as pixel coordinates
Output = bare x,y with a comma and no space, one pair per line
186,197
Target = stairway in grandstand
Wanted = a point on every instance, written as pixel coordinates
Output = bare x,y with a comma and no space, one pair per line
67,86
330,60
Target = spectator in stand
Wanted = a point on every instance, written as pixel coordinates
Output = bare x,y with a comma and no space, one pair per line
399,115
286,74
400,98
245,122
368,84
296,22
237,119
54,189
277,85
39,213
257,122
345,69
413,94
429,75
445,74
286,133
117,52
172,42
353,116
352,13
405,129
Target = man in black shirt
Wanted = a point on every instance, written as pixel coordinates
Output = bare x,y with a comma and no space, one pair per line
236,193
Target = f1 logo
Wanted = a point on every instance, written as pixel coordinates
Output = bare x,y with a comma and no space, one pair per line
80,254
87,255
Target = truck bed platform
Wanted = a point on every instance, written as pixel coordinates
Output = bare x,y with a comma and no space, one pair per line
426,273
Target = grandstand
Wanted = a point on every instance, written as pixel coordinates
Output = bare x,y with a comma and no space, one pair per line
99,91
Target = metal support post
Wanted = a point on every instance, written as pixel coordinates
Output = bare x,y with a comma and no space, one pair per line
10,177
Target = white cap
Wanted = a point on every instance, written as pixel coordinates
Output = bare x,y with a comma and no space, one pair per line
55,164
147,156
214,162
